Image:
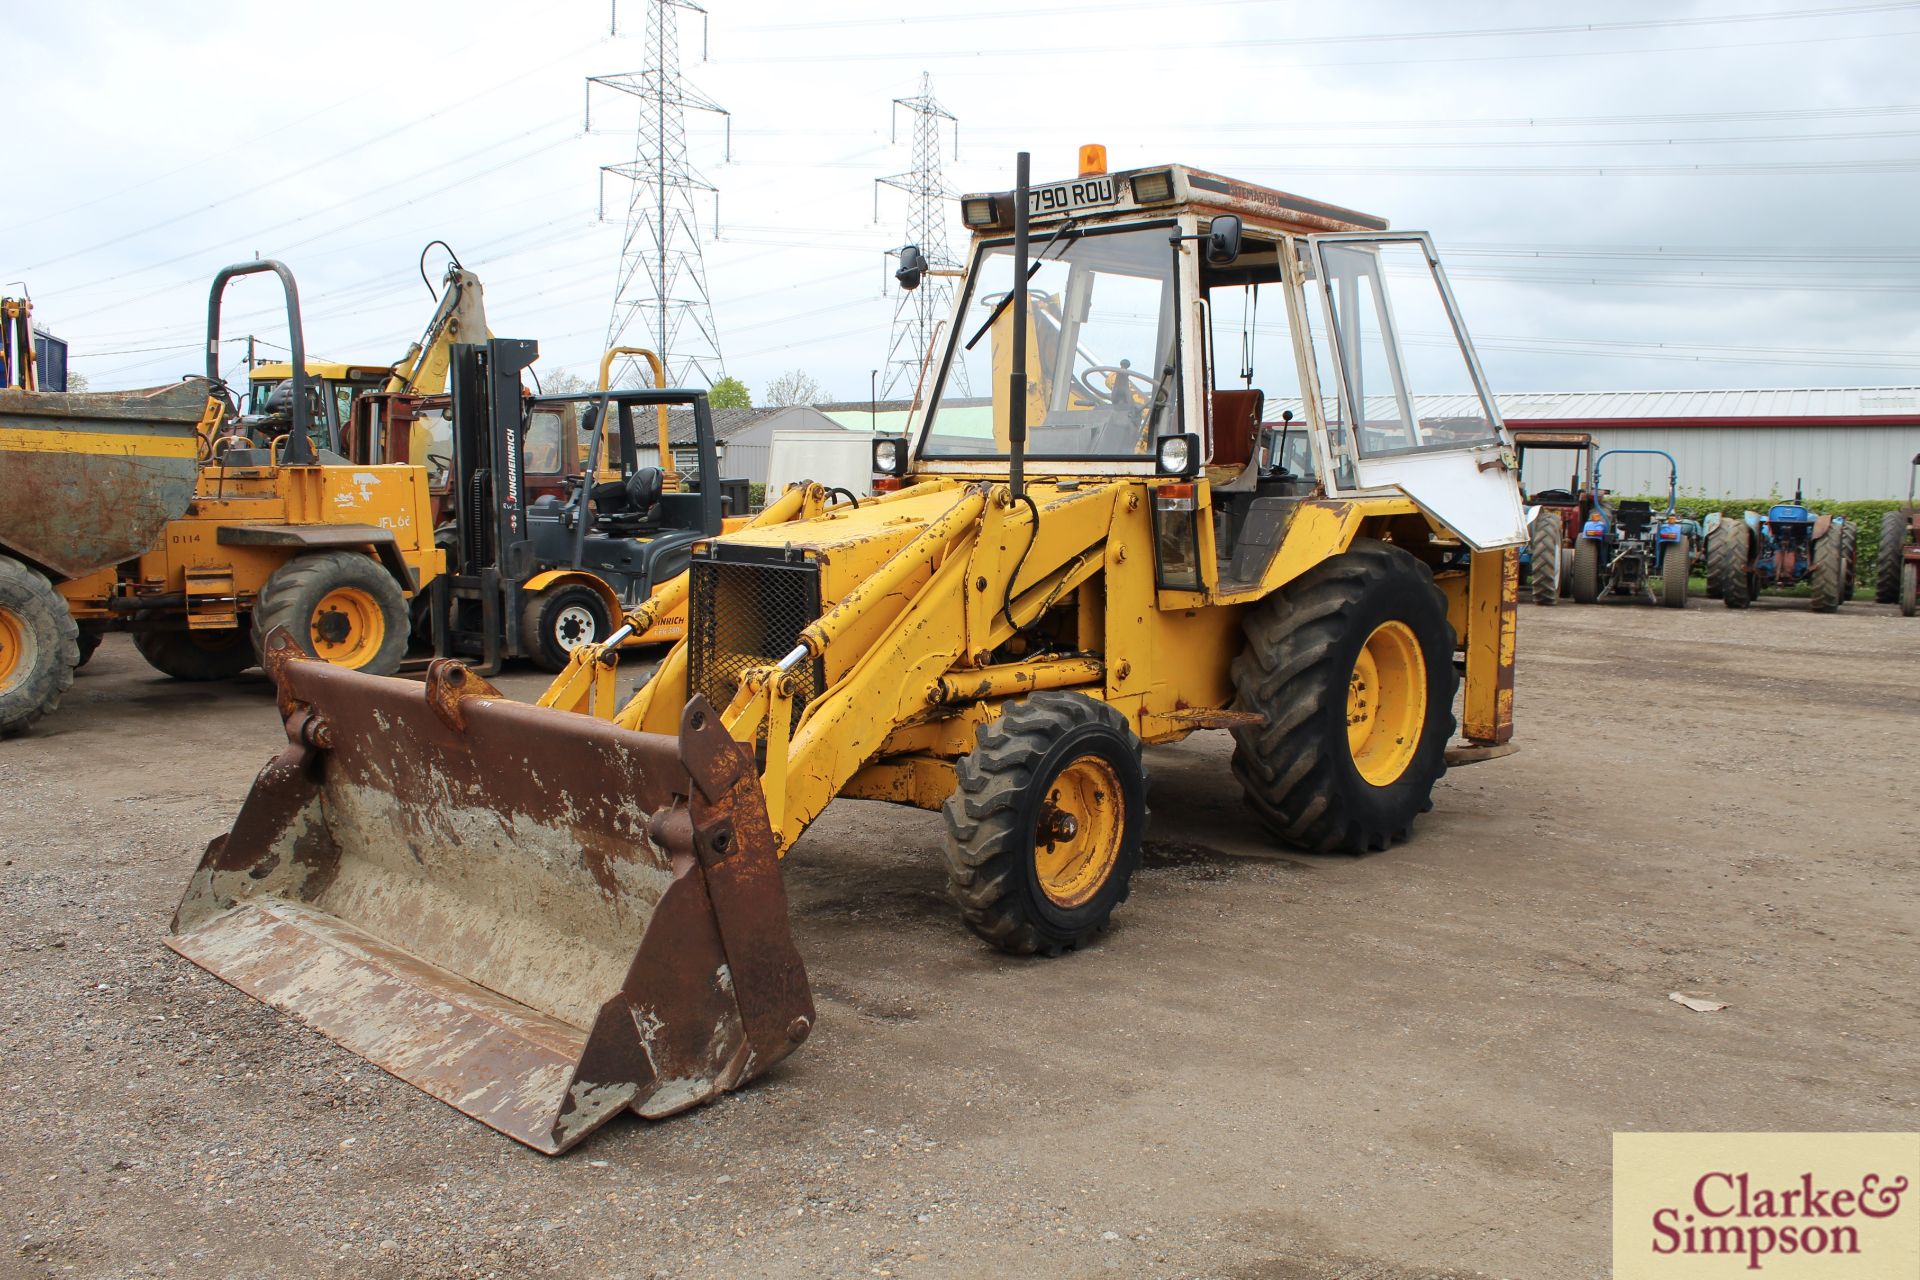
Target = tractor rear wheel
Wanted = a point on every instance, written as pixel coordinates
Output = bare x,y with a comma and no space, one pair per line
1543,556
1729,553
341,607
556,622
1909,588
1829,570
1351,666
1674,568
39,646
1586,572
198,655
1044,829
1886,561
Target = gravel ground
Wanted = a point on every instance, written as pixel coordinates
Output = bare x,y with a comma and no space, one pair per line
1400,1067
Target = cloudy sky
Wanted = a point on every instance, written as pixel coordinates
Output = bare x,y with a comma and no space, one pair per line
1629,194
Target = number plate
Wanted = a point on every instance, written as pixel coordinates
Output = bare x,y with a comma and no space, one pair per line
1060,197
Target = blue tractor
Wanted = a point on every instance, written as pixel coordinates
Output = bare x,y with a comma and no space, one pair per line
1789,545
1625,548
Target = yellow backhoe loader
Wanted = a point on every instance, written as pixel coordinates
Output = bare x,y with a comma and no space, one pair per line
1134,506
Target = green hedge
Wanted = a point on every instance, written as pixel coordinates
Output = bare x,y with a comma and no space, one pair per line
1865,514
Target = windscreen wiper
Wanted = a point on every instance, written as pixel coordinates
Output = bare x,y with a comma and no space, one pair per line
1032,267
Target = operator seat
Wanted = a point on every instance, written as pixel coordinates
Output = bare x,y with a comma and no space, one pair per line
1236,425
625,506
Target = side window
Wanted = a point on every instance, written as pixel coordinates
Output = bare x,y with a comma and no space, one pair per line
543,443
1251,341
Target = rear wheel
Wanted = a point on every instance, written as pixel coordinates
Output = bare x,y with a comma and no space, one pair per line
1729,555
1674,568
198,655
1044,828
39,646
341,607
1909,588
1586,571
559,620
1887,560
1543,556
1829,570
1352,667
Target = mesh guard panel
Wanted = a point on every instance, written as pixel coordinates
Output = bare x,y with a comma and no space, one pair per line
745,612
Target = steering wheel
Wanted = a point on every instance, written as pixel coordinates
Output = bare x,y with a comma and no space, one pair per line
441,462
1112,398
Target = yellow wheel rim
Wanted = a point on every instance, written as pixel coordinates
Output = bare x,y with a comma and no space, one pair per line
16,648
1386,703
1076,839
348,627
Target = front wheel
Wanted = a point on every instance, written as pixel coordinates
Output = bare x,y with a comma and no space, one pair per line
556,622
1674,568
1044,828
1351,668
38,646
1909,588
341,607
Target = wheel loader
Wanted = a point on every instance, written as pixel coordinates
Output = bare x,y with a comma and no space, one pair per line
1135,505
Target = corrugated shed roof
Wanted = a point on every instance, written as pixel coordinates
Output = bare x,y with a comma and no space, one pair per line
1784,402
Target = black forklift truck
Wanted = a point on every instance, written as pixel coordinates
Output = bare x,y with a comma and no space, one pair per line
538,577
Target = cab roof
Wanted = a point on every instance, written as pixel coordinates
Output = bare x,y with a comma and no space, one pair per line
1165,188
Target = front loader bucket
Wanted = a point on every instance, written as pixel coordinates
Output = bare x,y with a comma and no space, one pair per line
532,915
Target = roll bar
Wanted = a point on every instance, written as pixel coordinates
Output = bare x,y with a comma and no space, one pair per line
299,451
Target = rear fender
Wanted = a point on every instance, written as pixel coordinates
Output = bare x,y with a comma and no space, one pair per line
552,578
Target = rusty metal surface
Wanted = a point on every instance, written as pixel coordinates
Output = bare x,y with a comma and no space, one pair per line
91,478
536,917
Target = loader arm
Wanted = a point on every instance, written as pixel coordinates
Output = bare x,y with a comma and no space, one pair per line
925,618
461,316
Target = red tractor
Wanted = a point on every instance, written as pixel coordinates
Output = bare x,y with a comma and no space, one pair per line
1554,516
1897,566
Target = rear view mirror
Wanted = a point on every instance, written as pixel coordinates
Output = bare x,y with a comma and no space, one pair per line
1223,239
913,265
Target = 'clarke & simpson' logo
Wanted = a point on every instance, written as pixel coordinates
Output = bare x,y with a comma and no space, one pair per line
1787,1205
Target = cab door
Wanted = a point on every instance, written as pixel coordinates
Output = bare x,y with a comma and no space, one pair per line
1410,409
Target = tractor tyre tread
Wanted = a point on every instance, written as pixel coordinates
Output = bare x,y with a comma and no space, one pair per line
1296,769
178,654
989,824
1586,571
1829,567
1544,537
1675,567
295,589
1887,558
34,692
1909,589
1728,553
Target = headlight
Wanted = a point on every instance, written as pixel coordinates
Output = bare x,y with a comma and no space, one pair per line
978,211
1152,188
889,456
1178,455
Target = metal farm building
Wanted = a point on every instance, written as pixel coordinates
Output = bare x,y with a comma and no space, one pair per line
1842,443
